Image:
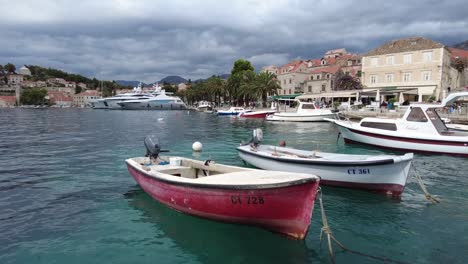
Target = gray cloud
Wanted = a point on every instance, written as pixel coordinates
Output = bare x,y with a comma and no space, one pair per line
147,40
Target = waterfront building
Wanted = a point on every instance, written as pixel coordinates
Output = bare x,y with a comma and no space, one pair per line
15,79
460,63
181,87
7,100
84,99
271,69
41,84
60,99
56,81
25,71
82,85
70,84
291,76
68,90
413,69
28,84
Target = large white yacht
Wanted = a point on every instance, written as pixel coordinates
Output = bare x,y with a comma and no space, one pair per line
159,102
112,102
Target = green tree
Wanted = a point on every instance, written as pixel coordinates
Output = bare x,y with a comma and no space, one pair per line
10,68
33,96
78,89
240,73
346,82
266,84
1,70
169,88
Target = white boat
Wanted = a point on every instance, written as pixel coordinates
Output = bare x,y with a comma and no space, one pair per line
159,102
233,111
113,102
457,127
99,104
305,112
381,173
204,106
420,130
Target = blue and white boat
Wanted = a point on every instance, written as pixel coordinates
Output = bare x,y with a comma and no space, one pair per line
232,111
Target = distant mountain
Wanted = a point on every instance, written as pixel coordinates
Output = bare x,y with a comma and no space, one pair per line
174,79
127,83
462,45
222,76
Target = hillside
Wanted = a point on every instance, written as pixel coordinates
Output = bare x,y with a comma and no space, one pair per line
462,45
173,80
129,83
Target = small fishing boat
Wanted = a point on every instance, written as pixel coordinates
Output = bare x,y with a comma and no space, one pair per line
306,112
381,173
420,130
232,111
256,114
278,201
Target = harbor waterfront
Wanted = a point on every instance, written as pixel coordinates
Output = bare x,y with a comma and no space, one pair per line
67,196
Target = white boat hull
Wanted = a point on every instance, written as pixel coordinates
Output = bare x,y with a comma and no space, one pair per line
387,177
153,105
407,142
292,117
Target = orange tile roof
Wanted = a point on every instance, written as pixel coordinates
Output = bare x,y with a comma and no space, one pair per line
459,52
329,69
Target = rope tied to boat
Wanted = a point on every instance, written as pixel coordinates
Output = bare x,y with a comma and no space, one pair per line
420,182
328,232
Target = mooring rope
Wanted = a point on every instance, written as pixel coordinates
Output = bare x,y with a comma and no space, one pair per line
328,232
423,187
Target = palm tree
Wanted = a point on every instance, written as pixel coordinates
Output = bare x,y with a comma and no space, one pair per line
266,84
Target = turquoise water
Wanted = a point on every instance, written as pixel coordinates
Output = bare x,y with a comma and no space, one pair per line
67,197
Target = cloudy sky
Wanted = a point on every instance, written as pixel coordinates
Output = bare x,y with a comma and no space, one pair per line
149,39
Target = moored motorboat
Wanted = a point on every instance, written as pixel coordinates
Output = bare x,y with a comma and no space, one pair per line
278,201
232,111
256,114
381,173
306,112
420,130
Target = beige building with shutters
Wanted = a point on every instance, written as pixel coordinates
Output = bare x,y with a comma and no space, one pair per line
411,69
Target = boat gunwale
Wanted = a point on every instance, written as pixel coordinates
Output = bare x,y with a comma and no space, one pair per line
328,163
195,184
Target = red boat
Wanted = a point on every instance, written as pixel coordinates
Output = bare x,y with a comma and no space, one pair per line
256,114
282,202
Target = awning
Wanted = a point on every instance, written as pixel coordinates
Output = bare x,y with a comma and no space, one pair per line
338,94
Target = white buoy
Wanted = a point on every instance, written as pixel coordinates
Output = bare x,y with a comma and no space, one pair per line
160,119
197,146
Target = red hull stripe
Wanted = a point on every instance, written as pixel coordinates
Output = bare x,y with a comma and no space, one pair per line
411,140
394,189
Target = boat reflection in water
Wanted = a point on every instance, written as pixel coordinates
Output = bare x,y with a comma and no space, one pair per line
213,241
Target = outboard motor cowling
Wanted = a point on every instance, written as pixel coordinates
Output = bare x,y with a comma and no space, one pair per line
152,146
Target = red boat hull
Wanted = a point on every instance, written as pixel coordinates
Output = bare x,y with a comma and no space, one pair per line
255,114
287,210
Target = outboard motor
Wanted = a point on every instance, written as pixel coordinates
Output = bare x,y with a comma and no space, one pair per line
257,136
152,147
